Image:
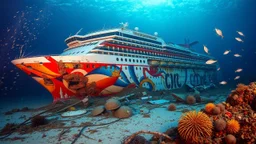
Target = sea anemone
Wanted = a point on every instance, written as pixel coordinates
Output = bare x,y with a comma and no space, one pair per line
221,106
190,99
194,127
233,126
38,120
216,111
220,124
230,139
209,107
172,107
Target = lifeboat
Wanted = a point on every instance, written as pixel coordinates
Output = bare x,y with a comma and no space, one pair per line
154,62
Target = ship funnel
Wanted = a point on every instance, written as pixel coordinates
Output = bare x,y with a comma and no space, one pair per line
136,28
155,33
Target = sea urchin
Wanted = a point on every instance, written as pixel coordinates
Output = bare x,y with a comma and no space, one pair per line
233,126
194,127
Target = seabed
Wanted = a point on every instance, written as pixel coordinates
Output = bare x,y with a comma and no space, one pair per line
81,123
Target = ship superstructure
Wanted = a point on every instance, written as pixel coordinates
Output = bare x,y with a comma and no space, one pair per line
105,62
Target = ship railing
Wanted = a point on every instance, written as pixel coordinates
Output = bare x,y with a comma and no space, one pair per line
38,56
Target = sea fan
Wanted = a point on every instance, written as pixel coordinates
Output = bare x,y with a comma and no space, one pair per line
233,126
194,127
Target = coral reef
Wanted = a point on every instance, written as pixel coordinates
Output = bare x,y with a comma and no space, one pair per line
220,124
243,94
195,127
216,110
233,126
172,107
230,139
209,107
221,106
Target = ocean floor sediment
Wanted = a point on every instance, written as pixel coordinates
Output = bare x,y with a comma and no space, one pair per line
105,128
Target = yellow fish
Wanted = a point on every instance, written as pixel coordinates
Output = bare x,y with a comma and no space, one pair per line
239,39
206,49
226,52
237,55
223,82
239,70
237,77
219,32
211,61
240,33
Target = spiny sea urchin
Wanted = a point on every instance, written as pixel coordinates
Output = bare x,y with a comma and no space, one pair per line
209,107
194,127
233,126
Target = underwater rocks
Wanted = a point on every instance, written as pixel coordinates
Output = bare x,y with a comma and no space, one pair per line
38,121
113,105
230,122
243,94
25,109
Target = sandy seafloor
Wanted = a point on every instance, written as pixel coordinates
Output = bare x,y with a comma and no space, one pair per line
160,119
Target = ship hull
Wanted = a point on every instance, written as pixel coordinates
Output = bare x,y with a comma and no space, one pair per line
65,76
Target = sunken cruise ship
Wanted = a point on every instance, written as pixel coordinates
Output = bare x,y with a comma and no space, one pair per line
105,62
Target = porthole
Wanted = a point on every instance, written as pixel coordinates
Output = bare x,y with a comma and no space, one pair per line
137,61
133,60
129,60
140,61
121,59
125,60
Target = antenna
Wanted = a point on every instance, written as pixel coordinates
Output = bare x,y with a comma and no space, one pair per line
124,25
79,31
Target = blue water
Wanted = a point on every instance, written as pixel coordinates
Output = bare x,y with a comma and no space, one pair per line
40,28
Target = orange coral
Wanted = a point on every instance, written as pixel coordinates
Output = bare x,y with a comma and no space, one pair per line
209,107
194,127
241,88
233,126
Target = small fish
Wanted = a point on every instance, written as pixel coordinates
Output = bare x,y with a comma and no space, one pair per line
237,77
226,52
223,82
219,32
218,69
206,49
240,33
239,70
239,39
210,61
237,55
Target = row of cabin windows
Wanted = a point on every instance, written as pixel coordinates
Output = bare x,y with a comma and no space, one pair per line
131,60
136,42
139,52
137,56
